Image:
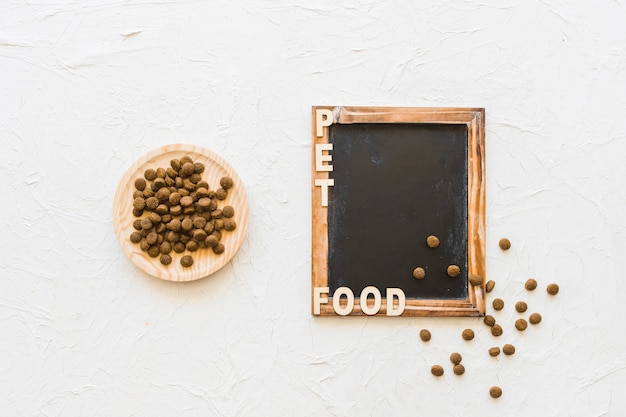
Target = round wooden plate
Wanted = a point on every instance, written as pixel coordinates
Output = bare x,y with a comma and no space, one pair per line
205,261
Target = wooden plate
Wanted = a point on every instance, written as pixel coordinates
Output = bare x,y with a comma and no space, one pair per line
205,261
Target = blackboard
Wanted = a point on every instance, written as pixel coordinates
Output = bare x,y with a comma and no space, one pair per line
389,178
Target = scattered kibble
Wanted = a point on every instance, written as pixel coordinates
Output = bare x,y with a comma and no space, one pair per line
425,335
177,211
432,241
419,273
521,306
489,286
496,330
498,304
475,279
436,370
535,318
531,284
495,392
508,349
494,351
489,320
553,289
468,334
456,358
505,244
458,369
521,325
454,271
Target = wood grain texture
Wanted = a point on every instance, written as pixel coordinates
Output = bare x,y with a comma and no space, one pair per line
205,261
474,119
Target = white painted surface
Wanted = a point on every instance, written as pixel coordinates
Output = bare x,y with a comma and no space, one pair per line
88,87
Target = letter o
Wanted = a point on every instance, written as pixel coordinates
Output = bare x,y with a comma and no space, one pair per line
343,311
377,300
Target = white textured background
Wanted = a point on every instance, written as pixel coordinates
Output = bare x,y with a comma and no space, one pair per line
88,87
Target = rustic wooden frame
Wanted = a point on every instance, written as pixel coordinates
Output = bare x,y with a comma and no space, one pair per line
474,119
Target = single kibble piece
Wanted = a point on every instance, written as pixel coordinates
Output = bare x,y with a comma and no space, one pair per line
135,237
535,318
139,203
475,279
198,167
432,241
505,244
521,306
150,174
498,304
186,261
425,335
495,392
437,370
553,289
468,334
166,259
456,358
186,170
228,211
218,249
508,349
140,184
521,325
454,271
226,182
494,351
489,320
419,273
496,330
221,194
153,251
185,159
229,225
458,369
530,284
489,286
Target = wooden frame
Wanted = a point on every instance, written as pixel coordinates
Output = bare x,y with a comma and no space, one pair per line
474,119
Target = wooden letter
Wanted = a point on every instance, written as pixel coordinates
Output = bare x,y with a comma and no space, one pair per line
377,300
343,311
320,158
318,300
399,294
324,183
320,121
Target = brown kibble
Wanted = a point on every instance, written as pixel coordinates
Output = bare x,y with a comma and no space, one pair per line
489,286
137,213
432,241
201,192
175,164
436,370
454,271
221,194
228,211
505,244
198,168
425,335
199,235
218,249
146,224
458,369
199,222
475,279
229,224
153,251
508,349
135,237
468,334
204,203
139,203
489,320
211,241
166,259
185,159
521,324
186,201
521,306
494,351
498,304
456,358
174,198
152,238
530,284
143,245
192,246
154,218
158,184
535,318
553,289
419,273
150,174
186,170
137,193
195,178
163,194
160,173
152,203
186,261
137,224
140,184
226,182
165,247
186,224
179,247
495,392
496,330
